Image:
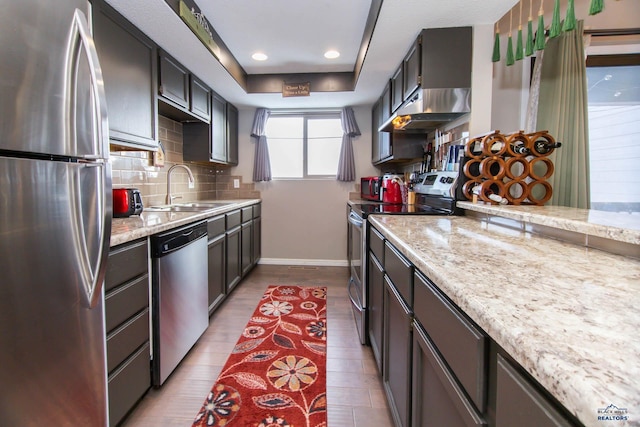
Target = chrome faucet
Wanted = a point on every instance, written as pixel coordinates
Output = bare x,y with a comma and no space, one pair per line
170,198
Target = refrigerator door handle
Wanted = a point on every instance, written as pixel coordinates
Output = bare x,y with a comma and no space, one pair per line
80,38
92,227
94,265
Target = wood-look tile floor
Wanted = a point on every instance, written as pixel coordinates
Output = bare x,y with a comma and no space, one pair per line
355,395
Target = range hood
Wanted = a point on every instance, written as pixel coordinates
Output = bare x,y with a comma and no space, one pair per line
428,109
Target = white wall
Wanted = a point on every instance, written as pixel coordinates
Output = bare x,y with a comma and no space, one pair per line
510,94
304,221
481,93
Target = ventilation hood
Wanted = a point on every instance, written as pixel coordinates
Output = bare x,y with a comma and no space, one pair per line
428,109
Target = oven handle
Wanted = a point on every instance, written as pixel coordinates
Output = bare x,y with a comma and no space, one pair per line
355,219
353,300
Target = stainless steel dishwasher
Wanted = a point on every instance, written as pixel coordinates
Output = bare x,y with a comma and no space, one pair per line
179,295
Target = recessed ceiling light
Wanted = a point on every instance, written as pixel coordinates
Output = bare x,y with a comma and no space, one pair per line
259,56
331,54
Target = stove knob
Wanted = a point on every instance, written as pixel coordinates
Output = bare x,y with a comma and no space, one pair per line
449,180
443,180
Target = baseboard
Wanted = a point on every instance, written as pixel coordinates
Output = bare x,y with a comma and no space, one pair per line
313,262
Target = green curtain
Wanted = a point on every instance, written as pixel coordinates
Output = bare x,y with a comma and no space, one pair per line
562,110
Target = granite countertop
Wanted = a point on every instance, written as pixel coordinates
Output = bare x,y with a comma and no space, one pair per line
621,227
151,222
568,314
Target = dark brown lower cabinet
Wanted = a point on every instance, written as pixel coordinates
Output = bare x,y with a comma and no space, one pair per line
127,327
216,261
246,250
519,403
233,265
375,309
438,400
128,384
256,248
439,368
461,344
396,374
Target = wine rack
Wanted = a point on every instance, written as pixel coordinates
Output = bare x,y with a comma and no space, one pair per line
515,167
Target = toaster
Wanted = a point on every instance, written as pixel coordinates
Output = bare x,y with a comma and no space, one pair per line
126,202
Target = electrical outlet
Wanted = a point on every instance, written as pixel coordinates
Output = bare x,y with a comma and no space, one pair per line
236,183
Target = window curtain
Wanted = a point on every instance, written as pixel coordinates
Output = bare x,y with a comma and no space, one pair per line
562,110
261,162
534,94
346,163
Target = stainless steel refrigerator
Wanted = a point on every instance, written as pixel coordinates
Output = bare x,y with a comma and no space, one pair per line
55,216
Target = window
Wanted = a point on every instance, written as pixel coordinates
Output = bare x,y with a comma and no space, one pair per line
613,84
304,145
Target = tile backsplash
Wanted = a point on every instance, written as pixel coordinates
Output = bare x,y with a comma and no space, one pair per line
137,169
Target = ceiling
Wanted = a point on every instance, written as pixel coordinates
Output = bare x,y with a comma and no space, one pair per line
296,33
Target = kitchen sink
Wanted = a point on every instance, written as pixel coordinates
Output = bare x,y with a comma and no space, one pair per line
209,205
188,207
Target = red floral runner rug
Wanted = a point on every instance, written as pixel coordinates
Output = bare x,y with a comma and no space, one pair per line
276,373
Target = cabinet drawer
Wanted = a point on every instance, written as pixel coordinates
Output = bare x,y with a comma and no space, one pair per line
461,344
437,397
376,244
126,262
257,210
233,219
128,384
215,227
247,213
126,339
519,403
400,271
126,301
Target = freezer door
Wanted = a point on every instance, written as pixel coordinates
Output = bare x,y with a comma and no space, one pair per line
54,234
52,90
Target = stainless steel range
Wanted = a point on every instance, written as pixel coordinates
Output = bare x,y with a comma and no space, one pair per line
435,195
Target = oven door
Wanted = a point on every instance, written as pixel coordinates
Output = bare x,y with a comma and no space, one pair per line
357,281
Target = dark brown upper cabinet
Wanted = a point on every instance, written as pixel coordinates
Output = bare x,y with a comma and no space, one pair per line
173,81
215,141
411,67
200,96
232,134
397,88
446,57
128,60
183,96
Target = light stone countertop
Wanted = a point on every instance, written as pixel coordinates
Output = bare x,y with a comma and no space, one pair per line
124,230
622,227
570,315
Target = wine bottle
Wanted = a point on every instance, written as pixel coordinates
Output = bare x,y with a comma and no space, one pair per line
543,147
520,149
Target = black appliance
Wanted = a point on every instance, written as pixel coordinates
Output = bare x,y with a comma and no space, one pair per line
435,195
